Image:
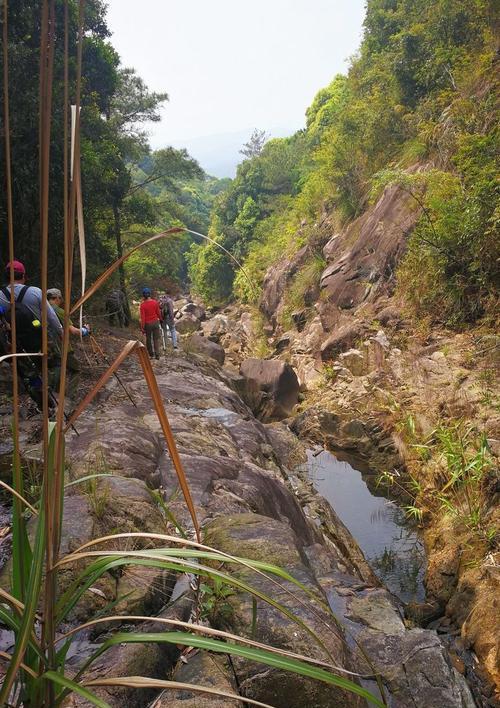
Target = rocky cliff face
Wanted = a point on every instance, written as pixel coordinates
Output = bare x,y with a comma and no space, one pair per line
378,384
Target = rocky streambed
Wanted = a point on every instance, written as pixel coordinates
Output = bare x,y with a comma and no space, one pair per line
253,502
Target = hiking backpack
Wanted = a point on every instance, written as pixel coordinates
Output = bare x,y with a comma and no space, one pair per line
28,336
166,309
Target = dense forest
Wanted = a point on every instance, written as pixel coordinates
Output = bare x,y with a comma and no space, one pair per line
129,191
416,108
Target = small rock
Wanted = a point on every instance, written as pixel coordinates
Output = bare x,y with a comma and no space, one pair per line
354,361
457,663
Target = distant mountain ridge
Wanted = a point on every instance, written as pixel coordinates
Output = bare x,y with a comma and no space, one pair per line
219,154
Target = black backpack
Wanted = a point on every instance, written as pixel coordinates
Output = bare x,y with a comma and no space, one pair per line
28,336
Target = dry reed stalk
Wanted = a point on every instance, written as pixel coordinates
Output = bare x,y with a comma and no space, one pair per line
136,347
16,463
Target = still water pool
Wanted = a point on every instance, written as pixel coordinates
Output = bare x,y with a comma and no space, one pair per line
390,544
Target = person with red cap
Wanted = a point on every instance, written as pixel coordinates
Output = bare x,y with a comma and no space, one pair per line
29,305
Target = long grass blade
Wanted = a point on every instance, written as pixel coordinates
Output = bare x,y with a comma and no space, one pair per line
210,631
87,478
168,435
23,666
144,682
148,559
32,596
255,565
74,687
20,544
252,654
114,266
127,349
164,234
12,491
259,567
140,350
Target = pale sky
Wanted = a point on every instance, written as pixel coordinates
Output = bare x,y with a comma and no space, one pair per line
230,66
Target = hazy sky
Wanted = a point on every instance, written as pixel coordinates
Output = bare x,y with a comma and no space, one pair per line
229,65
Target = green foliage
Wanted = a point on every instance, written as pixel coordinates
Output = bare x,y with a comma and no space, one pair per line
450,270
466,469
215,602
421,88
170,189
211,273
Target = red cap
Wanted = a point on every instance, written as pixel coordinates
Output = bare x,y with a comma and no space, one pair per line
17,266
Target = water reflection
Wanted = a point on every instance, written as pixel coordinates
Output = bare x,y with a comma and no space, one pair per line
389,543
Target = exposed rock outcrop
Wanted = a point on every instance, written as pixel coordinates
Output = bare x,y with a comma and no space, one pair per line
205,346
363,258
237,471
378,386
276,280
277,383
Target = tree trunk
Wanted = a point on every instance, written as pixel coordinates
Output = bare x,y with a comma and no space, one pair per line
119,253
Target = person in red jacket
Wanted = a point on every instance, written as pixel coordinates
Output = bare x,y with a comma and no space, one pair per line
150,323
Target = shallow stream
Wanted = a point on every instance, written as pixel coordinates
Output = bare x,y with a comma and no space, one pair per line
390,544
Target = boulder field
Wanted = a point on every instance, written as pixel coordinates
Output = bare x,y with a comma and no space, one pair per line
240,473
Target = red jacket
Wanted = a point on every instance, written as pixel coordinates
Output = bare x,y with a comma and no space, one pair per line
150,312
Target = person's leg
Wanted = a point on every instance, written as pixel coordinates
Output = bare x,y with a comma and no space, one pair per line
173,334
164,337
149,339
157,339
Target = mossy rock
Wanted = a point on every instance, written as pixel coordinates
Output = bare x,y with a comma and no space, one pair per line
262,538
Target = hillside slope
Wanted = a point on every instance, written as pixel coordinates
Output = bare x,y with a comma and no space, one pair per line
370,252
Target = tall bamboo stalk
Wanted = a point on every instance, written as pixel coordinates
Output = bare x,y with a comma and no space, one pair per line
16,461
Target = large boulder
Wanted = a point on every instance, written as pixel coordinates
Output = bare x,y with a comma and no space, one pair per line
216,327
192,308
204,346
341,340
278,384
187,323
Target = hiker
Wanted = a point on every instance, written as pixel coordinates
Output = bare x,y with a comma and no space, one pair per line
28,314
167,314
28,310
55,299
150,323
